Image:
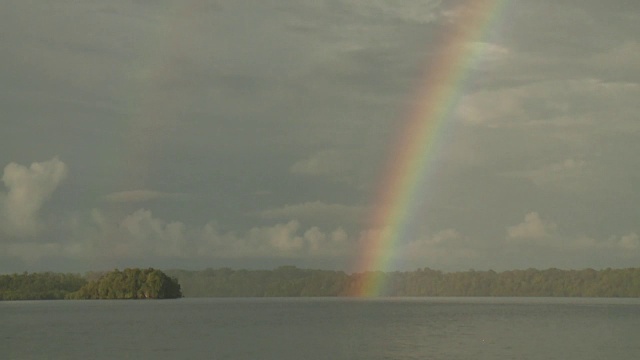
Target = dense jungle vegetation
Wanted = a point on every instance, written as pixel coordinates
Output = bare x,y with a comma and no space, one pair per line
127,284
39,286
130,284
290,281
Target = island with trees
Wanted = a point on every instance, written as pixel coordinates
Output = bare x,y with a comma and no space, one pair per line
291,281
128,284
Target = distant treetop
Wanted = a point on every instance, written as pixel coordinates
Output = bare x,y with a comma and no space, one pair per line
39,286
130,284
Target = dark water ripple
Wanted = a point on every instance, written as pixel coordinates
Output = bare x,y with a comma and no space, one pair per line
431,328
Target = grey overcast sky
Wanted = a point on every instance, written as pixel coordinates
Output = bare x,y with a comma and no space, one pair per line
251,134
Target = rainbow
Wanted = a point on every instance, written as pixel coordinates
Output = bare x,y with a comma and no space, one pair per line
408,168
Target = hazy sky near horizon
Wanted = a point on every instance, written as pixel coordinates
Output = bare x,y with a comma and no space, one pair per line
253,134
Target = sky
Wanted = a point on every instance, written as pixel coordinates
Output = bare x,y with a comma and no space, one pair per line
254,134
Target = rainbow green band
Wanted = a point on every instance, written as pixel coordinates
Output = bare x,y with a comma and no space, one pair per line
402,188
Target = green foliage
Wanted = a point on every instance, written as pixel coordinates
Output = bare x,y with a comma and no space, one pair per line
39,286
285,281
289,281
130,284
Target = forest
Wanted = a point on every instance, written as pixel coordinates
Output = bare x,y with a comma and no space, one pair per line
128,284
39,286
290,281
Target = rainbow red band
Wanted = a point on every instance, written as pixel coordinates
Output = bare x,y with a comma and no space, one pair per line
404,179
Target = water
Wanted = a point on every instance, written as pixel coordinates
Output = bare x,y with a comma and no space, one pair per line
431,328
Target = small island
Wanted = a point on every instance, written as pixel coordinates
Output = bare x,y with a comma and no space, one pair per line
130,284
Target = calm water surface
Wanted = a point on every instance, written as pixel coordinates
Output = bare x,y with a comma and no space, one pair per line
425,328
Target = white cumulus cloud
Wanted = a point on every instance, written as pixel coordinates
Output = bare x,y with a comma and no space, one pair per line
28,189
108,237
283,240
533,228
151,235
630,241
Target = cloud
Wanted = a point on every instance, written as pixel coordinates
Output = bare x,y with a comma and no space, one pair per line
302,100
283,240
445,239
625,243
487,53
329,163
554,103
567,175
443,249
107,239
335,243
533,228
630,241
419,12
135,196
28,189
152,236
315,210
353,167
572,136
482,107
536,234
620,62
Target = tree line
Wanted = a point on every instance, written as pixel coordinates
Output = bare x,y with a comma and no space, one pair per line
128,284
284,281
290,281
39,286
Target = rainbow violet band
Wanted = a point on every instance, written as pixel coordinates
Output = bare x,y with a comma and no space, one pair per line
402,184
